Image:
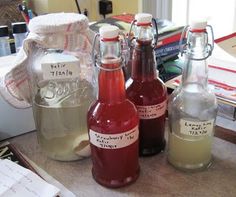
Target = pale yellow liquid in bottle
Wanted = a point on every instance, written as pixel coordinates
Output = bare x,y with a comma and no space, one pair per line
189,154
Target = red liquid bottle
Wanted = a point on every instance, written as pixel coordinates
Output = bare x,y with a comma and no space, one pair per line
146,90
113,119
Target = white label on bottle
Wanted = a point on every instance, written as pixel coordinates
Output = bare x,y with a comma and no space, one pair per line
60,70
152,111
196,128
114,141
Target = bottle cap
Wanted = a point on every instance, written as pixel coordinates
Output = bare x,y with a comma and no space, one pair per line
198,24
143,18
19,27
109,31
3,31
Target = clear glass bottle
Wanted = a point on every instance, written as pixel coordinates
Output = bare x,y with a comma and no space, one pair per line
192,107
113,119
20,32
60,100
4,41
146,90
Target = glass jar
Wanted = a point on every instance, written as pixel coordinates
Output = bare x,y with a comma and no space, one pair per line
61,95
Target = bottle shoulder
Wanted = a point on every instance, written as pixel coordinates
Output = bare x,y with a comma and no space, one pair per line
125,108
203,95
114,118
152,91
154,83
200,106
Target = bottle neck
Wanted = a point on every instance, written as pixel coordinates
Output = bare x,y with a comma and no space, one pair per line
143,58
111,81
195,64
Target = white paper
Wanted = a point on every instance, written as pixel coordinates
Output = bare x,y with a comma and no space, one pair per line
199,128
16,181
152,111
60,70
64,192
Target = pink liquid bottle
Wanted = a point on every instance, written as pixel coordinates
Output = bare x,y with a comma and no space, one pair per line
146,90
112,118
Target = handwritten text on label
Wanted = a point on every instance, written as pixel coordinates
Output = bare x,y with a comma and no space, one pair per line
114,141
60,70
151,111
196,128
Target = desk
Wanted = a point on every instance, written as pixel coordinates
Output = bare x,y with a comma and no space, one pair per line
157,177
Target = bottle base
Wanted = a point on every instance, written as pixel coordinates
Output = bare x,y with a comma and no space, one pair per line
116,183
146,152
190,167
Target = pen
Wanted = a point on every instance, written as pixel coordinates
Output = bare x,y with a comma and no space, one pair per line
23,13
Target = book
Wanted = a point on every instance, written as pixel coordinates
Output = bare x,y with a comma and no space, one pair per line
168,49
169,37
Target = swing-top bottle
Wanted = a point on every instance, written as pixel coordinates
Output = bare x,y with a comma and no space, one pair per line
145,89
192,107
112,118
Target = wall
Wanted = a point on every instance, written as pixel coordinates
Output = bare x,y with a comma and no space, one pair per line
61,5
119,7
39,6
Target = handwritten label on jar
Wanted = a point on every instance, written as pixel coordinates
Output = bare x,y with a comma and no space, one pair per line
152,111
114,141
196,128
60,70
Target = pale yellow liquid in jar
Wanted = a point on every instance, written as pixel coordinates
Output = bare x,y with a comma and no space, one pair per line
189,154
58,129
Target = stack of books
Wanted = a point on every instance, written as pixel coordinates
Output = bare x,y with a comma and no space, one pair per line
168,45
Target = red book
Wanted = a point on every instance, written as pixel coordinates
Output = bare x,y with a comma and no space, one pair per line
167,37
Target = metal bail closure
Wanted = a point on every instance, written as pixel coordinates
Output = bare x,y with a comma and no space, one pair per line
210,45
96,58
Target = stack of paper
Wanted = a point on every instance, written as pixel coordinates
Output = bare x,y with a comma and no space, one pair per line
17,181
222,68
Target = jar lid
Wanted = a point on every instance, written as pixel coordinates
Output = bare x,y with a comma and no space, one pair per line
19,27
143,18
198,24
109,31
3,31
